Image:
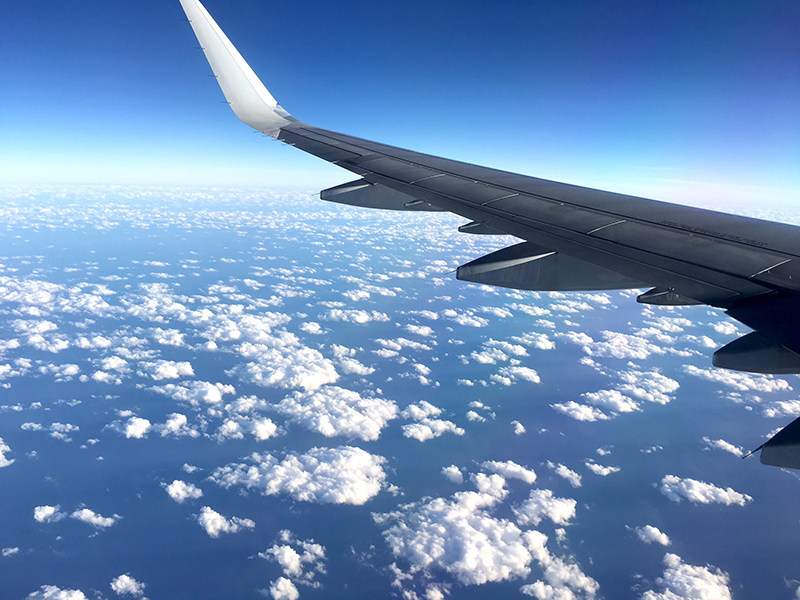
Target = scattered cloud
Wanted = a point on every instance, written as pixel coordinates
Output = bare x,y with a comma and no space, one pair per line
4,449
94,519
342,475
51,592
699,492
180,491
652,535
682,581
48,514
125,585
215,524
542,503
567,473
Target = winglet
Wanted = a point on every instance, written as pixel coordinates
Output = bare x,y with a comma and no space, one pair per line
248,97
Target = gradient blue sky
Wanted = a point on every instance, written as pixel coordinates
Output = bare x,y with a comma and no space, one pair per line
695,102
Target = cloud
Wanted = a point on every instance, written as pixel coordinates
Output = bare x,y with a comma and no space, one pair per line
726,446
58,431
682,581
459,535
195,392
167,369
215,524
4,448
125,585
342,475
741,382
542,503
612,400
286,367
334,411
580,412
599,469
180,491
359,317
519,428
48,514
567,473
649,535
510,469
94,519
509,375
6,552
301,560
283,589
51,592
700,492
454,474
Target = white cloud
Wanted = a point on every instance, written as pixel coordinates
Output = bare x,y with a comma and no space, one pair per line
428,429
342,475
180,491
454,474
51,592
125,585
301,560
136,427
460,536
283,589
599,469
334,411
519,428
580,412
612,400
311,327
651,386
726,446
215,524
681,581
567,473
649,535
48,514
4,462
167,369
177,425
421,410
6,552
542,503
700,492
94,519
510,469
286,367
195,392
359,317
742,382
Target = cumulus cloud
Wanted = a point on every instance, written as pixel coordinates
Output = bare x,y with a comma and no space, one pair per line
334,411
580,412
283,589
542,503
167,369
286,367
742,382
612,400
454,474
11,551
460,536
652,535
195,392
425,427
94,519
359,317
519,428
509,469
180,491
687,581
125,585
48,514
215,524
567,473
301,560
51,592
700,492
4,448
599,469
342,475
725,446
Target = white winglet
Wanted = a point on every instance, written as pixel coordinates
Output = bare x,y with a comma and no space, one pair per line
248,97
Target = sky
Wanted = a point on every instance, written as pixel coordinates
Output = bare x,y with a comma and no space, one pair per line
693,102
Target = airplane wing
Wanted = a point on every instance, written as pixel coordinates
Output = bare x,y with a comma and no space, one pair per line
574,238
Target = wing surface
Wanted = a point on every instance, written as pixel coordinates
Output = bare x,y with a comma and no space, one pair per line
578,238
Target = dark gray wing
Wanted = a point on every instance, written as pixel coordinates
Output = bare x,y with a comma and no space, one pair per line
575,238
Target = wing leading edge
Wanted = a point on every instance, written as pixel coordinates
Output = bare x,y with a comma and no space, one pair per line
575,238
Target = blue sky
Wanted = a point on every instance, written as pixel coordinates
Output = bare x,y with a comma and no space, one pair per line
696,102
